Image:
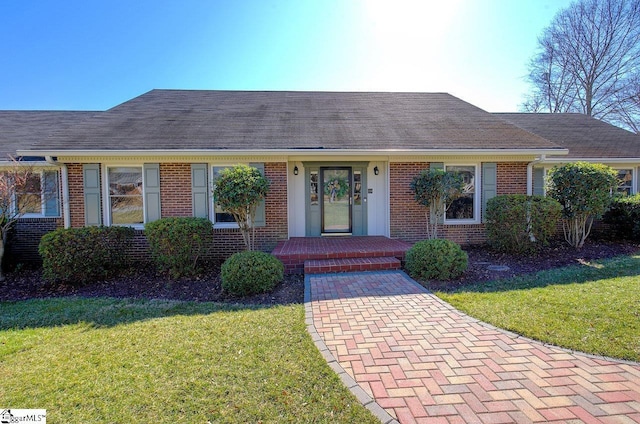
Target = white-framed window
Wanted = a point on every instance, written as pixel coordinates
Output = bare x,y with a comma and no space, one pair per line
38,197
221,218
465,209
30,198
126,195
625,181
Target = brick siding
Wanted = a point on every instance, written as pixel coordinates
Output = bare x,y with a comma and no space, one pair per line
76,194
175,191
512,178
228,241
24,238
408,220
407,217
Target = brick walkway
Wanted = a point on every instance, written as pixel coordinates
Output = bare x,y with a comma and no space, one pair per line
410,357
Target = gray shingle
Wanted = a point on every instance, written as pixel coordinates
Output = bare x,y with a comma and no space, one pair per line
20,129
243,120
585,137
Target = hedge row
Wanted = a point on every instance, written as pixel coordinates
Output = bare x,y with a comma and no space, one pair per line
624,217
79,255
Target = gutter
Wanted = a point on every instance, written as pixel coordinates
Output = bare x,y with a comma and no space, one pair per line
530,165
292,151
66,210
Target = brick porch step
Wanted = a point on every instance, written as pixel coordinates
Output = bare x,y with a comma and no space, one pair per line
318,266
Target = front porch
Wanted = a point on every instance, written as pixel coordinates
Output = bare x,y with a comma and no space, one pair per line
340,254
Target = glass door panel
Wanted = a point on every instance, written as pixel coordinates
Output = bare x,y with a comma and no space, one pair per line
336,200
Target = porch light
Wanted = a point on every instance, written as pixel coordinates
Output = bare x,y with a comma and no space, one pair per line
295,170
376,171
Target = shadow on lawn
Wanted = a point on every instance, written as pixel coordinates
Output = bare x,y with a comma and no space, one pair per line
623,266
102,312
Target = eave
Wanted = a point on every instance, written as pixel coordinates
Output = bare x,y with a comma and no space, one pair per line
566,159
288,154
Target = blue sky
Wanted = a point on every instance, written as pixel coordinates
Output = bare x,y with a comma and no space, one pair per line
93,55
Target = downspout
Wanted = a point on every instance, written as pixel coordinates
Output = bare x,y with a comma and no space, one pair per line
66,210
530,173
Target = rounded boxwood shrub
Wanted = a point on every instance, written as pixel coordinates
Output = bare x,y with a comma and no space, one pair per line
251,272
176,244
436,259
80,255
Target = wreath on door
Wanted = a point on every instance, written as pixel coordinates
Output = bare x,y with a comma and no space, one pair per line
336,188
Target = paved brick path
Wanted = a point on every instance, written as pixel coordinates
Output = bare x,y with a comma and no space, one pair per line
412,358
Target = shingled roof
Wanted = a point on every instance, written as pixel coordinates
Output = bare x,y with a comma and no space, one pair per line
21,129
585,137
262,121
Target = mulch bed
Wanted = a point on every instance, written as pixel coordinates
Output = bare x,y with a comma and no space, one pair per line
145,283
558,254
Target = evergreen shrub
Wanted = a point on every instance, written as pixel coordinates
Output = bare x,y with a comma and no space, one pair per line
436,259
81,255
251,272
176,244
519,223
624,217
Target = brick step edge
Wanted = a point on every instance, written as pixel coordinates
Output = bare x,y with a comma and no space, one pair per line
318,266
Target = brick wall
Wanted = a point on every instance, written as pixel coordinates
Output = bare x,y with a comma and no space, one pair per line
76,194
175,189
228,241
408,220
407,217
22,246
24,238
512,178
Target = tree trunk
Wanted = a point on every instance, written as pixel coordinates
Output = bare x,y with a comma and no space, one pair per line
3,239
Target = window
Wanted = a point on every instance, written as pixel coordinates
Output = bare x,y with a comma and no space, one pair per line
29,197
313,187
126,195
464,208
220,216
625,181
38,196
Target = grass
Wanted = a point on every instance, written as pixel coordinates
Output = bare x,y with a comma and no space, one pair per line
137,361
336,214
593,308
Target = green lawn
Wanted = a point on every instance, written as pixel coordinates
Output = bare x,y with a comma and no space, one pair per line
135,361
594,308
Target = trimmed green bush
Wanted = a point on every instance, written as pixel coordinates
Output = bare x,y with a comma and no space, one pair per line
176,244
624,217
81,255
434,189
251,272
584,191
238,190
436,259
519,223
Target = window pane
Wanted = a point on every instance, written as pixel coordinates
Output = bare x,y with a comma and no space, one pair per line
29,196
313,187
126,210
220,215
125,181
32,185
625,181
357,188
462,208
125,192
29,203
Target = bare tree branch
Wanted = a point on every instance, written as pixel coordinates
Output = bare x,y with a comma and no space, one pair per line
588,61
